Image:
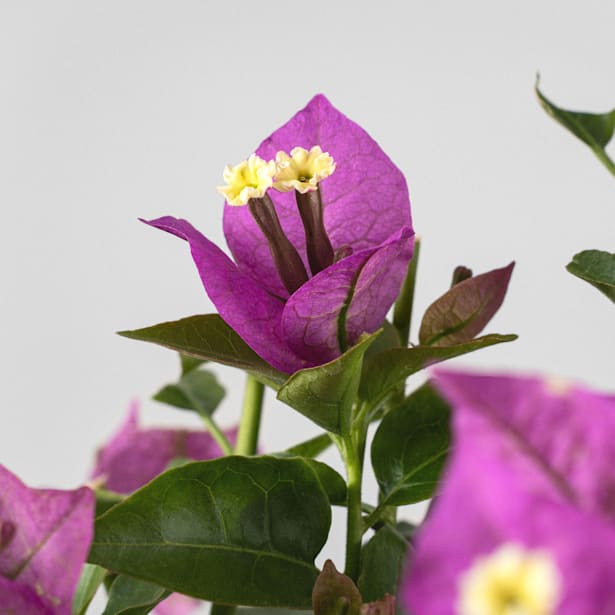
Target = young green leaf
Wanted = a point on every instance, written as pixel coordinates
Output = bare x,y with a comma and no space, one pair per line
463,311
208,337
410,447
189,363
385,370
310,448
129,596
594,129
197,390
382,560
597,268
326,393
91,578
234,530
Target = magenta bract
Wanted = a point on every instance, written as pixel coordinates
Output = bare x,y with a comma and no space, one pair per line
366,216
45,535
134,456
532,466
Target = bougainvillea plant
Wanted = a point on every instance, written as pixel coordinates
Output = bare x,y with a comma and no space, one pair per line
314,304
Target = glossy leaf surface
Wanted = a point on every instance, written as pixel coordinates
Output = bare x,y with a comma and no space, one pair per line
208,337
385,370
464,310
236,530
597,268
325,394
410,448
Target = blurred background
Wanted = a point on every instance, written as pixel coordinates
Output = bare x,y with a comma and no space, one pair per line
114,110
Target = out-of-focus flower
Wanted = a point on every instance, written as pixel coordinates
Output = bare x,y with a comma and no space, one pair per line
524,523
45,535
315,266
134,456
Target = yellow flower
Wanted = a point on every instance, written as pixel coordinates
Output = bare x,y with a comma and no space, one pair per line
510,581
302,170
250,179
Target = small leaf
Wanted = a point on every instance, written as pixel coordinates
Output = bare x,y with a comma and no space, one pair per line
460,274
189,363
235,530
133,597
209,338
597,268
312,447
382,560
464,310
326,393
410,448
385,370
335,593
197,390
91,578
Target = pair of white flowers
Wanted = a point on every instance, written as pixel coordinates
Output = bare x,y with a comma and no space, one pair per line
300,171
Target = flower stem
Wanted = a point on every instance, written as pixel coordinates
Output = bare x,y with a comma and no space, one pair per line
212,426
402,313
249,425
353,458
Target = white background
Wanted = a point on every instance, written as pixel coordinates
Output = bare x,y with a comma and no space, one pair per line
114,110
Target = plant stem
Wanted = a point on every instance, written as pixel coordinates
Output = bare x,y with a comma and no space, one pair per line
213,427
402,312
354,531
249,425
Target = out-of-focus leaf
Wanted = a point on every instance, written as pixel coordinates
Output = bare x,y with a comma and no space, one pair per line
197,390
133,597
335,593
209,338
91,578
234,530
410,448
310,448
594,129
464,310
326,393
385,370
189,363
597,268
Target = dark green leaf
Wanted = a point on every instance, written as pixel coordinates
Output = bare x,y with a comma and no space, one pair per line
208,337
384,371
91,578
189,363
463,311
594,129
235,530
312,447
410,448
197,390
331,481
382,560
325,394
133,597
597,268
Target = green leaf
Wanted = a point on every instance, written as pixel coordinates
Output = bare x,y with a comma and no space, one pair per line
197,390
594,129
235,530
463,311
331,481
133,597
106,499
410,448
189,363
310,448
91,578
326,393
597,268
382,560
385,370
209,338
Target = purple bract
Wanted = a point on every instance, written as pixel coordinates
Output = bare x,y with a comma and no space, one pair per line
367,219
527,504
45,535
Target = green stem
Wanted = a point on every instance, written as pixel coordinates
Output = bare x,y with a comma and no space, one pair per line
354,532
247,438
222,609
604,159
212,426
402,312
